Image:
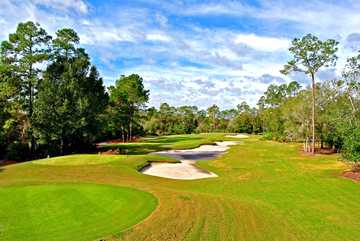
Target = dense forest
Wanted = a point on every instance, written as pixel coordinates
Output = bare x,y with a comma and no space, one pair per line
53,101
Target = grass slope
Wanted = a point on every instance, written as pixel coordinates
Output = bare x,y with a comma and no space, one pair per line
265,191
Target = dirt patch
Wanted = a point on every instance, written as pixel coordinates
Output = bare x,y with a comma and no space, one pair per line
355,176
7,162
323,151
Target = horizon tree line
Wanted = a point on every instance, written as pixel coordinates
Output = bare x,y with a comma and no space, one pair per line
53,101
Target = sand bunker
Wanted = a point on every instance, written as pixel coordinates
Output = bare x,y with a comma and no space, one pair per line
238,136
186,169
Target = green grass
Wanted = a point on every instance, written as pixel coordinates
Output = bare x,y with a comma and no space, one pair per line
153,144
74,160
70,212
265,191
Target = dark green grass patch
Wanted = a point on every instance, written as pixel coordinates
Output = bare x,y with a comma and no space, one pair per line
70,212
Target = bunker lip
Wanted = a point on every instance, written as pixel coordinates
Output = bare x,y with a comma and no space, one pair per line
187,169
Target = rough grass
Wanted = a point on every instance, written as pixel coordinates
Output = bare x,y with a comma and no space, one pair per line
265,191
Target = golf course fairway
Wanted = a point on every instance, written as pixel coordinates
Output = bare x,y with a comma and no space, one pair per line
264,191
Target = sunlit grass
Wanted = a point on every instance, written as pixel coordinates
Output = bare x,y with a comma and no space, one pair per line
265,191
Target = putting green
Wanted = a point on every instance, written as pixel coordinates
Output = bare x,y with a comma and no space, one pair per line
77,160
70,211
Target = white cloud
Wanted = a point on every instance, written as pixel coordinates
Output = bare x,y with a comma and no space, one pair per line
262,43
189,64
162,37
224,53
77,5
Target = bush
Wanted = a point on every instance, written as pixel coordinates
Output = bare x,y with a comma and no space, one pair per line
267,136
351,146
17,151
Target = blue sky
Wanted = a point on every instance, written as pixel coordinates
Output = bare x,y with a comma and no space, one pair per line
194,52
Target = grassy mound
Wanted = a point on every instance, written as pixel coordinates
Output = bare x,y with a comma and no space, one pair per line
70,212
75,160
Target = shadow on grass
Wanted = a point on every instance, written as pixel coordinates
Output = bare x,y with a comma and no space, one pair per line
170,139
147,145
134,148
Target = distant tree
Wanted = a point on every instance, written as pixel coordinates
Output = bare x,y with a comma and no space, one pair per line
166,119
293,89
243,107
309,55
23,52
351,77
275,95
213,113
187,118
128,96
270,116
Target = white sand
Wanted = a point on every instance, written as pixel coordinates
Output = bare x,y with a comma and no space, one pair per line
186,169
241,136
220,146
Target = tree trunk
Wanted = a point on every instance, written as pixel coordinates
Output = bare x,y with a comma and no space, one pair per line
313,114
62,143
352,106
125,135
31,92
130,123
122,134
130,130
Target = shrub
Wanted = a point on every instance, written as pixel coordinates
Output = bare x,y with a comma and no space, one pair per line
17,151
267,136
351,146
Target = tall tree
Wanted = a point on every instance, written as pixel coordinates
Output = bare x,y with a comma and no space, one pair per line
309,55
351,77
70,98
128,96
24,51
8,90
213,113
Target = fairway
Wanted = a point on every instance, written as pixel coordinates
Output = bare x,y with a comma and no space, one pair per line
70,212
264,191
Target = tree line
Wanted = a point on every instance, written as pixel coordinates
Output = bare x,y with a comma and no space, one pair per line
53,101
52,98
